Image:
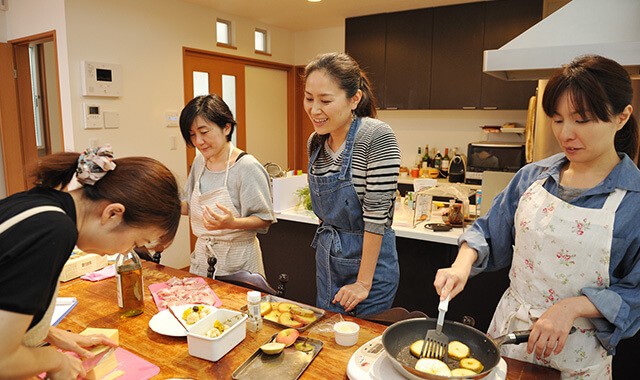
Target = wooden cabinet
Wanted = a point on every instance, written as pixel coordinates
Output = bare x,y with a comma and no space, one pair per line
432,58
365,41
505,20
456,74
408,60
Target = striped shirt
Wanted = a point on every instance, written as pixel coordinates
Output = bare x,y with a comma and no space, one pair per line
375,166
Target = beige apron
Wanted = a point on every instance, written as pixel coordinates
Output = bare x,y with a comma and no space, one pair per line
559,249
235,249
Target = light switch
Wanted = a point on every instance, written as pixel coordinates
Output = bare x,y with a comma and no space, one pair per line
171,119
111,119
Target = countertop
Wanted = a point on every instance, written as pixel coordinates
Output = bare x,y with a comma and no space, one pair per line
97,307
403,230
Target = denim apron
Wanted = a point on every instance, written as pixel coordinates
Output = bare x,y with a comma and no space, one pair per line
338,239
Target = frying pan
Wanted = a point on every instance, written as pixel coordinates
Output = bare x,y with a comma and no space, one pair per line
398,337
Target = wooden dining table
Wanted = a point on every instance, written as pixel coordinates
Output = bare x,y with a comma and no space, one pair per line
98,307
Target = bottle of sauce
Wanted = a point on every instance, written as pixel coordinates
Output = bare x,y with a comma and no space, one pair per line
437,163
445,163
254,322
130,286
418,163
426,160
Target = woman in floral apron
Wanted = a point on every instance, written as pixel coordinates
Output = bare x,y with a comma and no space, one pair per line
567,226
354,162
228,193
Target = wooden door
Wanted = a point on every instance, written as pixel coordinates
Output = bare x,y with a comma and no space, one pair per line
216,69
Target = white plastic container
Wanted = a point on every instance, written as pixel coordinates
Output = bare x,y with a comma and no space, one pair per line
215,348
346,333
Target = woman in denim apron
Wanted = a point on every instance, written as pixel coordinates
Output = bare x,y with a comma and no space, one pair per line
357,269
572,221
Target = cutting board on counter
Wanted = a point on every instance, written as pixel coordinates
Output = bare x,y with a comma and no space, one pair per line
133,366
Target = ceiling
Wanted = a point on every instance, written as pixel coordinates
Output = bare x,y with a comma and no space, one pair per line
300,15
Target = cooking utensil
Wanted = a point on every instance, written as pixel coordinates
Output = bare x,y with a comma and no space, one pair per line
91,363
178,319
436,342
398,338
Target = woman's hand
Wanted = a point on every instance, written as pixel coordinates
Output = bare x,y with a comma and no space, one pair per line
70,368
214,221
549,333
351,295
69,341
451,281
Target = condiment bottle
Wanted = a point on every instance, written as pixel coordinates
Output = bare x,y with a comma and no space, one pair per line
254,322
130,287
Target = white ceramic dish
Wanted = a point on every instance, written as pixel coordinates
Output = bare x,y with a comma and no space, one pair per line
213,349
164,323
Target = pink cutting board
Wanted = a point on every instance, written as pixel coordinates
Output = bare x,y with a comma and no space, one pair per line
134,367
154,288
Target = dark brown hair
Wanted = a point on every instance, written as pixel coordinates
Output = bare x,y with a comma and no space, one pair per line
210,107
597,87
147,189
350,78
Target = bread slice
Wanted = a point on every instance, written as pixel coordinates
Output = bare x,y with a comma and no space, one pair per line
458,350
416,348
433,366
462,372
472,364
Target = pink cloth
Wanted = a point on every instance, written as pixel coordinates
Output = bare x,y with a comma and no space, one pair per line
102,274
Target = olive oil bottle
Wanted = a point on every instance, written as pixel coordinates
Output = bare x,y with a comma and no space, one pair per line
130,285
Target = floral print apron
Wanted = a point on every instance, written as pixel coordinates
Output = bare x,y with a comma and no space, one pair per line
338,239
559,249
235,249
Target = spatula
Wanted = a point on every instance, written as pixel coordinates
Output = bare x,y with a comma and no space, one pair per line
436,342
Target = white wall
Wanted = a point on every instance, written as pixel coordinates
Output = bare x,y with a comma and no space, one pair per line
266,97
308,44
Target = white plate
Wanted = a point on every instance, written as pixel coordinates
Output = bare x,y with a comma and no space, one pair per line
164,323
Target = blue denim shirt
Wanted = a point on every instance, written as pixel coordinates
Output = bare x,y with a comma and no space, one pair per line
493,237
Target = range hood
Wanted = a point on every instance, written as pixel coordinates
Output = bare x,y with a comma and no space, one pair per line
610,28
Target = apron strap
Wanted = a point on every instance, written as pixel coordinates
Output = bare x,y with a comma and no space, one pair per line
26,214
347,153
614,199
334,236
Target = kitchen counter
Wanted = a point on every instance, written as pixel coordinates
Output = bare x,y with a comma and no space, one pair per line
401,229
97,307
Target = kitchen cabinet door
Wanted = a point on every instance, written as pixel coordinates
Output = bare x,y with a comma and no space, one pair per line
456,72
505,20
408,59
365,41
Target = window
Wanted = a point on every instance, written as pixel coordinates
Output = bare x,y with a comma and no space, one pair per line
223,32
262,41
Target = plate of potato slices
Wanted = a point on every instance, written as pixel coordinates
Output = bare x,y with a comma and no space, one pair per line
286,313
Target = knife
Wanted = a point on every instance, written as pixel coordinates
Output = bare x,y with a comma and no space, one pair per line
93,362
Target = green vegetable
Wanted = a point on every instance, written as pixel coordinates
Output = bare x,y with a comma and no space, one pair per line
305,198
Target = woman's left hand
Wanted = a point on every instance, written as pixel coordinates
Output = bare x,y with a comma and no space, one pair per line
69,341
549,333
214,221
351,295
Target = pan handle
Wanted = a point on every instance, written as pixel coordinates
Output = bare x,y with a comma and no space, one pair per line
518,337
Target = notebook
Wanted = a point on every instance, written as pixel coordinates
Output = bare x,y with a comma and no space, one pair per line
492,184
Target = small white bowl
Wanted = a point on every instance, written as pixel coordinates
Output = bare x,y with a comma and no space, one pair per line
346,333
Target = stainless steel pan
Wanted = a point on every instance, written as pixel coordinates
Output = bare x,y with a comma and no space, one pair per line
398,337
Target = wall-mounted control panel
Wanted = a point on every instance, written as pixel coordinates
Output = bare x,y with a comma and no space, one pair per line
93,117
101,79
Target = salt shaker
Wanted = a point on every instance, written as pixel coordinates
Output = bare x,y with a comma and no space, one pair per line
254,322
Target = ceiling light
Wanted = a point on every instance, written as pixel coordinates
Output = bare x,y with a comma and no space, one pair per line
314,1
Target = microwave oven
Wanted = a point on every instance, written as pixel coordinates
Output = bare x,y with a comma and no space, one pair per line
493,156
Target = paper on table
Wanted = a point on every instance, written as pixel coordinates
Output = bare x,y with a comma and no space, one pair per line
63,307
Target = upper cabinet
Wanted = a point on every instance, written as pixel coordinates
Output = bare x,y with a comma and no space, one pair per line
365,42
432,58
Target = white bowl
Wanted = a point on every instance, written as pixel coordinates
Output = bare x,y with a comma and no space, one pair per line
346,333
213,349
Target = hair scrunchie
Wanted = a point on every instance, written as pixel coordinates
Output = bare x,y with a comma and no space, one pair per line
94,163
